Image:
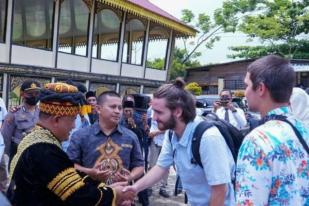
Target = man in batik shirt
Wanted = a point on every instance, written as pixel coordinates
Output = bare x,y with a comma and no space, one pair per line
272,164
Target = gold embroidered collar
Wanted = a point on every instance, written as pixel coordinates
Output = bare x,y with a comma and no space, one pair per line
38,135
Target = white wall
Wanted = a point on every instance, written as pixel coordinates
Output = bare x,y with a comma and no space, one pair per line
129,70
105,67
155,74
30,56
3,53
72,62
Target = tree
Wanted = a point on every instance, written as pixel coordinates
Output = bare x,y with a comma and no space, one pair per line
178,68
276,23
252,52
194,88
208,32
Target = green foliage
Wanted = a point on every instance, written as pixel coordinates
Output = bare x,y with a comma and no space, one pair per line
207,36
301,51
178,68
157,63
194,88
274,22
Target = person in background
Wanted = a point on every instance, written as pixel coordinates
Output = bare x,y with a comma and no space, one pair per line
3,111
19,123
82,119
299,103
226,110
92,101
128,122
272,163
43,173
157,137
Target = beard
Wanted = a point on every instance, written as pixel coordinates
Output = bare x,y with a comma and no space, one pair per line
169,124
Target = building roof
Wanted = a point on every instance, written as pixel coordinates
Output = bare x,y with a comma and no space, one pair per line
145,9
298,64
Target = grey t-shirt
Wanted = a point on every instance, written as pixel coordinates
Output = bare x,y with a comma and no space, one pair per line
90,145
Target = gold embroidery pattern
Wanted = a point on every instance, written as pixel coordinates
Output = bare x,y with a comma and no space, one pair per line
61,110
66,183
38,135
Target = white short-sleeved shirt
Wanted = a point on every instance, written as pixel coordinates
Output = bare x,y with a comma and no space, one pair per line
216,158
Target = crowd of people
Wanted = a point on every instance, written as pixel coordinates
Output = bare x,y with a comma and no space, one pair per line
65,145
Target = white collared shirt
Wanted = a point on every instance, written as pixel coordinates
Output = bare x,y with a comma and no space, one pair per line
237,119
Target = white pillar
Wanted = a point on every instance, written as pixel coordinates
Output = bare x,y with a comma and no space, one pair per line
146,48
9,30
5,89
141,91
53,79
87,84
55,33
90,36
118,88
120,50
168,61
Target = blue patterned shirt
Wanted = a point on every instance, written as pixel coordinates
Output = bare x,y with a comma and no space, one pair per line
272,165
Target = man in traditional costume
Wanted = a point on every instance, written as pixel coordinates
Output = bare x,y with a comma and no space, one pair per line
42,172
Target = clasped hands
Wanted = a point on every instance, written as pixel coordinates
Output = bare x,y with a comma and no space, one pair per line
123,198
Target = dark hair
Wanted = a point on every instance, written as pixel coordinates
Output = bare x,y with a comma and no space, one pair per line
90,94
177,96
226,90
276,73
102,97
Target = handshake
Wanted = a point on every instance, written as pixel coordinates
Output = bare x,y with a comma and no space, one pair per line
124,194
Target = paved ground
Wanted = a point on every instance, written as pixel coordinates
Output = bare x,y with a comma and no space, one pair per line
157,200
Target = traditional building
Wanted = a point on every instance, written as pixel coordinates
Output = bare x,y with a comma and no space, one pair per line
110,43
213,78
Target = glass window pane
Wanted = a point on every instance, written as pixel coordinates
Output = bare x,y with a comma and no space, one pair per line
106,35
33,23
134,41
73,27
157,47
2,19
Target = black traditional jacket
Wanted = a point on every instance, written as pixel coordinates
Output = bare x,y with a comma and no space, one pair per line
44,175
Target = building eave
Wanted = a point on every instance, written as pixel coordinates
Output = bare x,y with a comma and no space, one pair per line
182,29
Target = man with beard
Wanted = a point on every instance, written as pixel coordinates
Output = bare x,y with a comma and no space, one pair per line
174,109
272,163
106,150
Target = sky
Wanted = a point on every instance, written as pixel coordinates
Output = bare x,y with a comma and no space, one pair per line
218,53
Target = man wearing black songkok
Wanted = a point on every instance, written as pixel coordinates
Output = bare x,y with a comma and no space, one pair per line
42,172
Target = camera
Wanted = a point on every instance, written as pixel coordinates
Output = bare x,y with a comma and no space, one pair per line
224,100
141,102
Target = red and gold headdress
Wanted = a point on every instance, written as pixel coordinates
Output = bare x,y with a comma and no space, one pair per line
61,99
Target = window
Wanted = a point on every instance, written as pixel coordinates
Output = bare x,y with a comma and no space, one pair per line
3,4
135,30
33,23
73,27
106,35
157,47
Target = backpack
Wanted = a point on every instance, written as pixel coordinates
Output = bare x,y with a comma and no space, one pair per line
232,136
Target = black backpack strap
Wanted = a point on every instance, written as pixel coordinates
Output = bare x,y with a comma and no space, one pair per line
284,119
196,141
